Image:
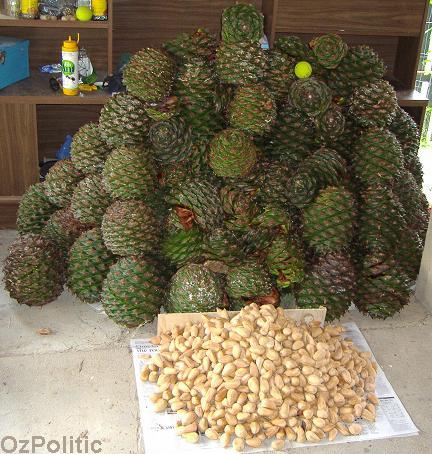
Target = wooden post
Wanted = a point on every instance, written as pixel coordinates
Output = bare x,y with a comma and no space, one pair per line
424,281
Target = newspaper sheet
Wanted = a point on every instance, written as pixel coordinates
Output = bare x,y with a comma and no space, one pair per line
158,428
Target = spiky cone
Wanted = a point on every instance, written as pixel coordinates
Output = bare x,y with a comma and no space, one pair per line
273,216
194,288
133,291
381,219
197,201
129,227
330,282
383,288
240,63
63,228
323,168
123,121
34,210
344,142
171,140
242,23
88,265
34,270
377,156
61,181
291,138
130,173
408,135
329,50
413,201
221,245
88,149
360,66
163,110
311,96
90,200
186,46
252,109
373,104
250,282
328,221
409,253
280,74
285,260
272,179
330,124
232,154
149,75
183,246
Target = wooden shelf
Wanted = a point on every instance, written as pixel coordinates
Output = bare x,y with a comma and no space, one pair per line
411,98
36,90
38,23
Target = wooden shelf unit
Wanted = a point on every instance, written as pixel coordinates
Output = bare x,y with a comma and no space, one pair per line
394,28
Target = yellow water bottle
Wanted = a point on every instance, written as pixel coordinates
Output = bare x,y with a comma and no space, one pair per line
70,76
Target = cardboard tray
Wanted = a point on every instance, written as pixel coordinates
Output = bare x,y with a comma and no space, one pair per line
169,321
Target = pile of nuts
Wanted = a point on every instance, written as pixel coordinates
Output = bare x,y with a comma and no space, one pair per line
261,375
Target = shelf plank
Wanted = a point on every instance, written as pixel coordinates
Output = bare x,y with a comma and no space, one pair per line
36,90
37,23
411,98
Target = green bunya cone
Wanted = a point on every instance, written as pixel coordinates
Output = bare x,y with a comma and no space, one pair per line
272,180
291,138
239,199
88,149
63,228
149,75
381,219
89,263
409,255
232,154
330,282
194,288
34,210
374,104
330,124
328,221
182,246
311,96
61,181
329,50
280,74
129,173
377,156
360,66
285,260
408,135
133,291
199,44
34,270
383,288
129,227
197,201
123,121
242,23
171,140
249,281
90,200
252,69
252,109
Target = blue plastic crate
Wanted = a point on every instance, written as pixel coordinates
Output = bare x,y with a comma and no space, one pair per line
14,60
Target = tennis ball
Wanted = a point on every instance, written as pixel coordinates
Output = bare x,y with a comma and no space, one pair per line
83,13
303,70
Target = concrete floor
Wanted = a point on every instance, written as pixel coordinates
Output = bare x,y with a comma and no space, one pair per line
79,379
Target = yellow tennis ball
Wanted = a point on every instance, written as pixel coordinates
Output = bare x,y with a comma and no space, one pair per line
303,70
83,13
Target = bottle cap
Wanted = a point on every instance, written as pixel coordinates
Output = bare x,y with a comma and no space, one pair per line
70,44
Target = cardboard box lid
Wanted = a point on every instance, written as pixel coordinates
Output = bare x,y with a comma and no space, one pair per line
168,321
